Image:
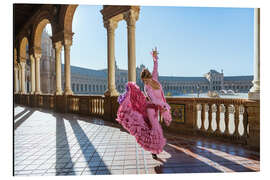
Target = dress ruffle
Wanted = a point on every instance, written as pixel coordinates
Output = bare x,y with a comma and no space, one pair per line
133,117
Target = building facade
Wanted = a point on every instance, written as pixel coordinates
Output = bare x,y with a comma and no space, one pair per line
90,81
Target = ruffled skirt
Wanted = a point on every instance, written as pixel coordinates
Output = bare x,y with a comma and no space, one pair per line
148,133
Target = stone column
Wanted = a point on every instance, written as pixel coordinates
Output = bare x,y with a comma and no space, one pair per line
111,25
58,48
33,77
22,63
16,85
254,92
67,44
131,17
37,58
20,78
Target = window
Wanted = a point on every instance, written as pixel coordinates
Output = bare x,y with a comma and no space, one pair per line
73,87
89,87
81,87
101,88
94,89
85,86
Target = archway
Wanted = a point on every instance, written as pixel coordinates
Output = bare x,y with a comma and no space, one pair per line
88,50
44,55
23,70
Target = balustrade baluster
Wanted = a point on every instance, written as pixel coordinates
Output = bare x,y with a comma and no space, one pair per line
102,100
100,106
226,118
95,105
210,112
236,120
203,117
90,105
245,122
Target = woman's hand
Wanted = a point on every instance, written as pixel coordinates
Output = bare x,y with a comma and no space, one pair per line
154,54
163,109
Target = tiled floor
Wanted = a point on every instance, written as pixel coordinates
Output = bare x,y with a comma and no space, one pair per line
48,144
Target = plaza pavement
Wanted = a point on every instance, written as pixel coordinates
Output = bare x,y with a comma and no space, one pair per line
48,144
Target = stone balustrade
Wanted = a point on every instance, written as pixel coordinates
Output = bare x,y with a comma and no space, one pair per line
236,120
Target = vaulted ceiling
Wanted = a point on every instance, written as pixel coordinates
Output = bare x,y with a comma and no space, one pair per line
21,14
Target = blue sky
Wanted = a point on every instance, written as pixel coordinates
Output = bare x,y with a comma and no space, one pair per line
191,40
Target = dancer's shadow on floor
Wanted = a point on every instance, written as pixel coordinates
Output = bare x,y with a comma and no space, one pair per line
191,159
180,162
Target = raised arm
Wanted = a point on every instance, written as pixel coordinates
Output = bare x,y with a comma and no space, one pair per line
155,69
154,54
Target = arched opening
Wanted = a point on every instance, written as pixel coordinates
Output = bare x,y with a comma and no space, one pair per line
43,41
121,56
88,53
24,73
16,71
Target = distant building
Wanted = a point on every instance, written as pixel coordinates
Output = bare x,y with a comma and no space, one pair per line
89,81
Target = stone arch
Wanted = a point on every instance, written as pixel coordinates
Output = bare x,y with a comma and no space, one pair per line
15,55
41,21
38,32
22,48
66,17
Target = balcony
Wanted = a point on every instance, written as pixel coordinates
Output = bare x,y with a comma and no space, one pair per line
233,120
227,141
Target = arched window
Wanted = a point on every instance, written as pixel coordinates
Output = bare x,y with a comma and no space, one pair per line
77,87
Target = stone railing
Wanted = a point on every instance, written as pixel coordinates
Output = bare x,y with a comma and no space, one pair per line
237,120
86,105
44,101
226,118
79,104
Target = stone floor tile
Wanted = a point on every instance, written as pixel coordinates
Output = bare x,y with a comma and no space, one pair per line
50,144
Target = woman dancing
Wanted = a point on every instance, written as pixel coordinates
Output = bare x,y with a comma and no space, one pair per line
138,113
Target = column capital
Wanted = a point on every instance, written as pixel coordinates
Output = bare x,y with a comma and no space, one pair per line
57,45
131,16
15,57
16,66
110,24
22,59
37,56
32,57
35,50
67,38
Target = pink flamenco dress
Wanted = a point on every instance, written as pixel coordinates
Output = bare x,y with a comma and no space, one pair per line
139,116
